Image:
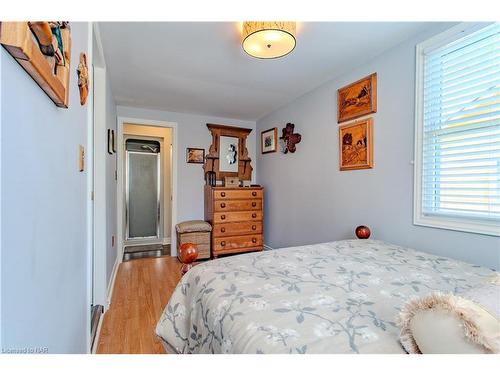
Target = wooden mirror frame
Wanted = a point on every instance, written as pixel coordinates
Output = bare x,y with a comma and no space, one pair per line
212,159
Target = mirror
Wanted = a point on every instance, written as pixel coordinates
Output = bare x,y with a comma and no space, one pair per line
228,154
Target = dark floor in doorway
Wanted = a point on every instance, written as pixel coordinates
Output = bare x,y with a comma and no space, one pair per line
145,251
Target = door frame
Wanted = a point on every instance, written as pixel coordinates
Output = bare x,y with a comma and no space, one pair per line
100,240
121,186
89,161
96,182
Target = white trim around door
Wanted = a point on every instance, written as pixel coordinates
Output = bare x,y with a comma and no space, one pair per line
121,188
89,165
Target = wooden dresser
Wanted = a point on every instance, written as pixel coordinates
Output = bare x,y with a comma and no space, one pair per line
236,216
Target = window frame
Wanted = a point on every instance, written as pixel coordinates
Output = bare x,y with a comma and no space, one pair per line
485,227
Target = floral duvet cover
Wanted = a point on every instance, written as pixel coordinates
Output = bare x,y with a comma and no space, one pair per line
337,297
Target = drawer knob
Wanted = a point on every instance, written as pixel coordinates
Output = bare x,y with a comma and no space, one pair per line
223,217
223,205
254,193
222,229
254,227
254,215
254,240
223,243
223,194
254,204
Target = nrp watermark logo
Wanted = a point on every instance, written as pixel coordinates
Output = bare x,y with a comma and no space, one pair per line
26,350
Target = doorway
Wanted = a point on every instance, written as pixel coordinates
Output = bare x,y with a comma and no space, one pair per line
146,190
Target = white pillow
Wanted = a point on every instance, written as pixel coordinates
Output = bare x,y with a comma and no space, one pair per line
444,323
486,295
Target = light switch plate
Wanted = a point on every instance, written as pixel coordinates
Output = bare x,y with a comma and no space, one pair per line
81,161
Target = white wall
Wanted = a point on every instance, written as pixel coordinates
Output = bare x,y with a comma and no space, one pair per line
111,186
105,225
105,184
192,132
44,212
308,200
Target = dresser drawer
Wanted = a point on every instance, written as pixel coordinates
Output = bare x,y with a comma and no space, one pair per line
228,217
237,242
237,205
237,229
238,194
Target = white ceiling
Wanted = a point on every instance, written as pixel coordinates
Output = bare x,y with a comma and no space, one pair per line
201,68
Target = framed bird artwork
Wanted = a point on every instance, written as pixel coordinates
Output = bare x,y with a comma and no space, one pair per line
357,99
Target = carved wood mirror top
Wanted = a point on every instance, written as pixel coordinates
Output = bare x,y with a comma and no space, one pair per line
229,157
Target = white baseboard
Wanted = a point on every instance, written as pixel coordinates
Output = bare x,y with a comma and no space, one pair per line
111,284
267,247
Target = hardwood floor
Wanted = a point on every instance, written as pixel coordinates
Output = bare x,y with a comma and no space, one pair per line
142,289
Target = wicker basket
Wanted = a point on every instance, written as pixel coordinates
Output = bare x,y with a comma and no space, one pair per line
197,232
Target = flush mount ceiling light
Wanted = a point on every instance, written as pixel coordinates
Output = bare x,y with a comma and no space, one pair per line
268,40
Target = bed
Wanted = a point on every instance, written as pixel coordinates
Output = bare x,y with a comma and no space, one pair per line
336,297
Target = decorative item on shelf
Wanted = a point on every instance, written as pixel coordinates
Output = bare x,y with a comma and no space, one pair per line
268,40
66,40
43,35
58,47
246,183
269,140
210,178
188,253
195,155
228,154
34,45
357,99
289,138
83,78
356,145
230,182
363,232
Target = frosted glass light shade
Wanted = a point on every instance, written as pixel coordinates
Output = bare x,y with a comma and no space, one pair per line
268,40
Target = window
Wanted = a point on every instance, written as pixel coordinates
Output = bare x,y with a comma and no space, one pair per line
457,137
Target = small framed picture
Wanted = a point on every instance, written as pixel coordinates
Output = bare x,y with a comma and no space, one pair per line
195,155
269,140
356,145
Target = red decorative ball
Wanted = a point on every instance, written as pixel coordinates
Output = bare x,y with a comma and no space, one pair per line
363,232
188,253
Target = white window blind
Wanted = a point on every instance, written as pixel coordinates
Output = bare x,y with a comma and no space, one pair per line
460,120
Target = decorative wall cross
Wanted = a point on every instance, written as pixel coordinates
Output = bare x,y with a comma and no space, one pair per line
290,138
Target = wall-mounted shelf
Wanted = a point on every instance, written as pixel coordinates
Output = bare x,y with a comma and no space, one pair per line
17,39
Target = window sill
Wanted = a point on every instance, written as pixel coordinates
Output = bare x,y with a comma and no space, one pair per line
489,228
